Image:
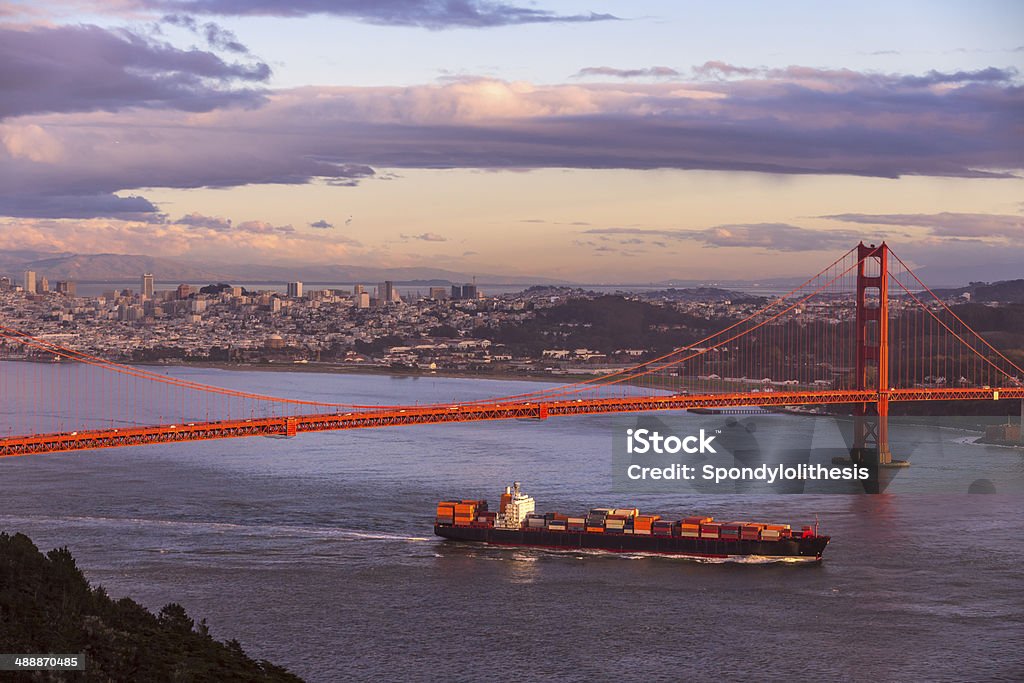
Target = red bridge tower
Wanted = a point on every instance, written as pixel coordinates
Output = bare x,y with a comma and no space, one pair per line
871,420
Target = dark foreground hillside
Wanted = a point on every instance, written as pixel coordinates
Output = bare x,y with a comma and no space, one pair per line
47,606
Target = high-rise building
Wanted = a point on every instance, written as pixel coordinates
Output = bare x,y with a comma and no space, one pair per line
67,288
30,282
147,286
295,290
185,291
362,300
391,292
456,292
43,286
469,291
438,293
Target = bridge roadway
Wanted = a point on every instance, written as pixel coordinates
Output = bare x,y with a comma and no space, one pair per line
388,416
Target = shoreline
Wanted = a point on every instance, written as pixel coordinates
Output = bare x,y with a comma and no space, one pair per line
338,369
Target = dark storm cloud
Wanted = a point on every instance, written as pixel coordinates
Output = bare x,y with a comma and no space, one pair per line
432,14
655,71
945,224
321,224
770,236
88,68
78,206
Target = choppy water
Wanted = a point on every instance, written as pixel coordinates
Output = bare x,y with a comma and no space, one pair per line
317,553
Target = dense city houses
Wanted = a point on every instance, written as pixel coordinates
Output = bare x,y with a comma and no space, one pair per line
455,328
436,328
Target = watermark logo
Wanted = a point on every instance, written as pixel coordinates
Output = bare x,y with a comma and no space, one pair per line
641,441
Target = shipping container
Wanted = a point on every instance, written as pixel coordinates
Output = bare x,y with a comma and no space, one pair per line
595,529
644,522
732,527
662,528
698,520
689,530
710,530
628,512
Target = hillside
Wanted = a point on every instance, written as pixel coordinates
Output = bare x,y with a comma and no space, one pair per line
1004,291
47,606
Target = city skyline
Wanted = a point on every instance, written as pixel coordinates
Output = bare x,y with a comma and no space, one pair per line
590,142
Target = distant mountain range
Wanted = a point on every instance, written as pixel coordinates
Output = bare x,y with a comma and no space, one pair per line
125,268
128,268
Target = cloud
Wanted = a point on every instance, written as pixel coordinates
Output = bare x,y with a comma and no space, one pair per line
431,14
263,228
216,36
263,242
89,68
425,237
848,79
83,68
321,224
945,224
223,225
792,121
654,71
769,236
198,220
99,205
719,69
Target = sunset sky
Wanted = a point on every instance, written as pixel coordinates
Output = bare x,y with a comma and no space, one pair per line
592,141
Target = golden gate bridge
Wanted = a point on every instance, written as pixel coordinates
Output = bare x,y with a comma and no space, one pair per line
864,331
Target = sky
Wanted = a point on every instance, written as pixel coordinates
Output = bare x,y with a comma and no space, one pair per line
588,141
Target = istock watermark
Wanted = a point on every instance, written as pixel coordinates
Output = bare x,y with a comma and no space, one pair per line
645,441
782,452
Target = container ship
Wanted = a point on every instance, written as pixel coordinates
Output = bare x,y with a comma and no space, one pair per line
623,530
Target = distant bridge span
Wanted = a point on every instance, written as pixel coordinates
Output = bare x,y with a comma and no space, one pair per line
393,417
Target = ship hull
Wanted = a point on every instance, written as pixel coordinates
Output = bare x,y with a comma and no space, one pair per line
802,549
